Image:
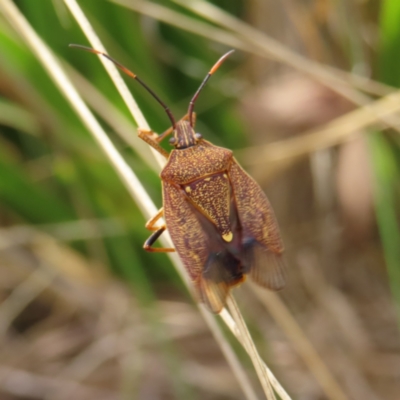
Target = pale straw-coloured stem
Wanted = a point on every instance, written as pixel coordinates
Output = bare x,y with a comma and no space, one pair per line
112,70
331,134
115,118
295,334
250,347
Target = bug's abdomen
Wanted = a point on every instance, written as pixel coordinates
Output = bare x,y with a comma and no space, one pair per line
211,196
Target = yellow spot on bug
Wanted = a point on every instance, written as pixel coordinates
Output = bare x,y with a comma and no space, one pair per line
207,179
187,189
228,237
225,176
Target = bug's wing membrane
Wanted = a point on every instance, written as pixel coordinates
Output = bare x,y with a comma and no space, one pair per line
266,268
262,245
192,243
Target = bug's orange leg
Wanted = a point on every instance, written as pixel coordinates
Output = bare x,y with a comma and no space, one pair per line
158,231
151,139
150,241
152,221
163,135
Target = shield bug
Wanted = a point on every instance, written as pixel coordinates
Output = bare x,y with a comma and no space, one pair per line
220,221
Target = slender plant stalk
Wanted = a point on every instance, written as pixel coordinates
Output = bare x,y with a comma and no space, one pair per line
300,341
331,134
250,347
120,124
112,70
35,283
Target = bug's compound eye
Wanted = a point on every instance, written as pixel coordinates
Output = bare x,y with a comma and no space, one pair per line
198,136
173,141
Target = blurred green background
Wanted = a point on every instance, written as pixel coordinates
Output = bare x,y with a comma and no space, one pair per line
64,209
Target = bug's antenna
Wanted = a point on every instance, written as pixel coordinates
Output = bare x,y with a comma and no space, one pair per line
132,75
196,95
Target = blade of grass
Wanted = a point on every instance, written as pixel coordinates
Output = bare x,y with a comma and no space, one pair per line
300,341
42,205
239,329
387,172
15,116
389,57
23,294
110,67
331,134
250,347
386,179
115,118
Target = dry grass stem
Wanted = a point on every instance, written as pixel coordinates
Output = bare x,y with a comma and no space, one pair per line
75,230
234,362
241,332
300,341
37,385
82,366
184,22
333,133
22,295
248,344
113,116
112,70
167,241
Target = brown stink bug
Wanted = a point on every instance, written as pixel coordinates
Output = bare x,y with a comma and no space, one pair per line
220,221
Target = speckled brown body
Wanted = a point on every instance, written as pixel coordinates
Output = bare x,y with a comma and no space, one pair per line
220,222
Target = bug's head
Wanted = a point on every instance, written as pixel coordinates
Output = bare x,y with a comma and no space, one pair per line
184,136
